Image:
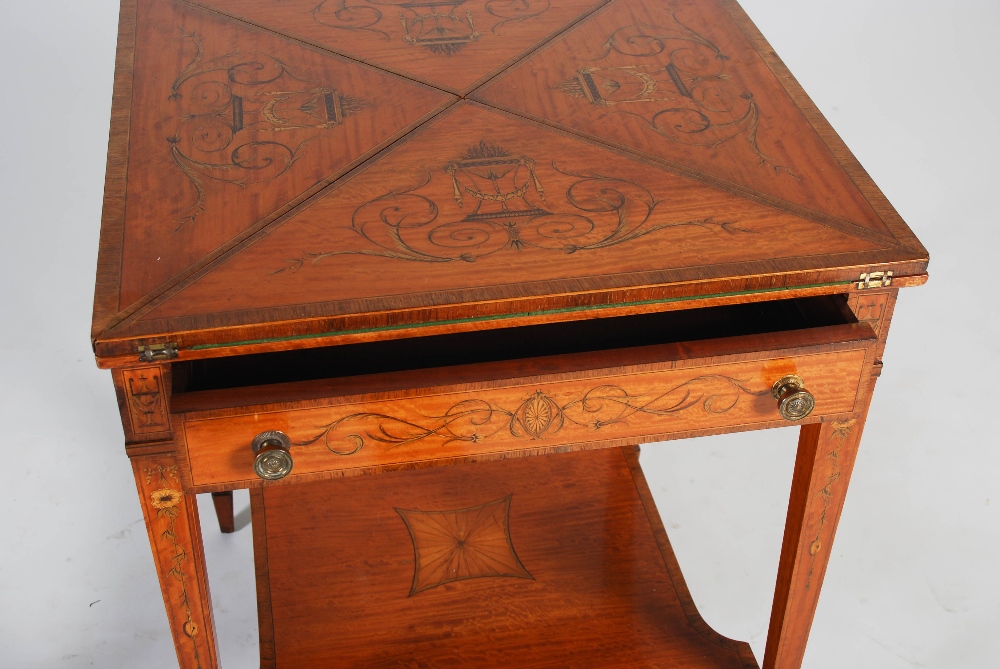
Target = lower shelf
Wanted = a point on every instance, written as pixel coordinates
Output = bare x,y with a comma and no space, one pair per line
554,561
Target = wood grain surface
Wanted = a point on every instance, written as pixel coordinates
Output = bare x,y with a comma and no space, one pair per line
175,537
289,175
875,309
144,402
680,82
823,466
452,45
559,561
421,225
283,184
232,124
495,410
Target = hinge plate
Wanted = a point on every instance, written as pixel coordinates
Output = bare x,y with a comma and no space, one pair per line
156,352
875,280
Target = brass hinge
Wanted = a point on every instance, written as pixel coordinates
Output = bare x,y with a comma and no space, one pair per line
155,352
874,280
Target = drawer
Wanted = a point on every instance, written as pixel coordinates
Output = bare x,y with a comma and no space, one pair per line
513,406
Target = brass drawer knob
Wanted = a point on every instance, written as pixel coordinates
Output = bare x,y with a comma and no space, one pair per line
273,461
794,401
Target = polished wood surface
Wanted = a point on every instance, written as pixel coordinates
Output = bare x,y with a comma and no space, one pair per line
571,402
823,466
175,536
680,82
547,562
462,233
235,124
453,45
223,503
287,187
583,216
143,402
875,308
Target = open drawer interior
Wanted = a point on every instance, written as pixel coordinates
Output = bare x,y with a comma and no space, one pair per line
504,344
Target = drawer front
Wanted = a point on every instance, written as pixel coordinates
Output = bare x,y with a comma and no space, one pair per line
639,404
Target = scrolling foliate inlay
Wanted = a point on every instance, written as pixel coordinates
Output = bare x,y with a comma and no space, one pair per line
168,501
442,28
676,81
458,545
538,416
232,112
501,204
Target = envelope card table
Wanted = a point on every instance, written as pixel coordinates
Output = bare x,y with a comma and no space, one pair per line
423,275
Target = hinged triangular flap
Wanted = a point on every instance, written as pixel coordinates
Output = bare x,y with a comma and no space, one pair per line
452,44
231,125
478,206
680,82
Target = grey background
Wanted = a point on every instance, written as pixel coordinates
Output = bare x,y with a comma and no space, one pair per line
912,88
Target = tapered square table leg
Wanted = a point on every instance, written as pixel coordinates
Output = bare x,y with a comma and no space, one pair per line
175,537
223,502
823,466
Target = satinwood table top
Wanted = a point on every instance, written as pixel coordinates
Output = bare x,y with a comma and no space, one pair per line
294,172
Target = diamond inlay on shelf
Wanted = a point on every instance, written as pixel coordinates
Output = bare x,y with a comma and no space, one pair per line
462,544
353,585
